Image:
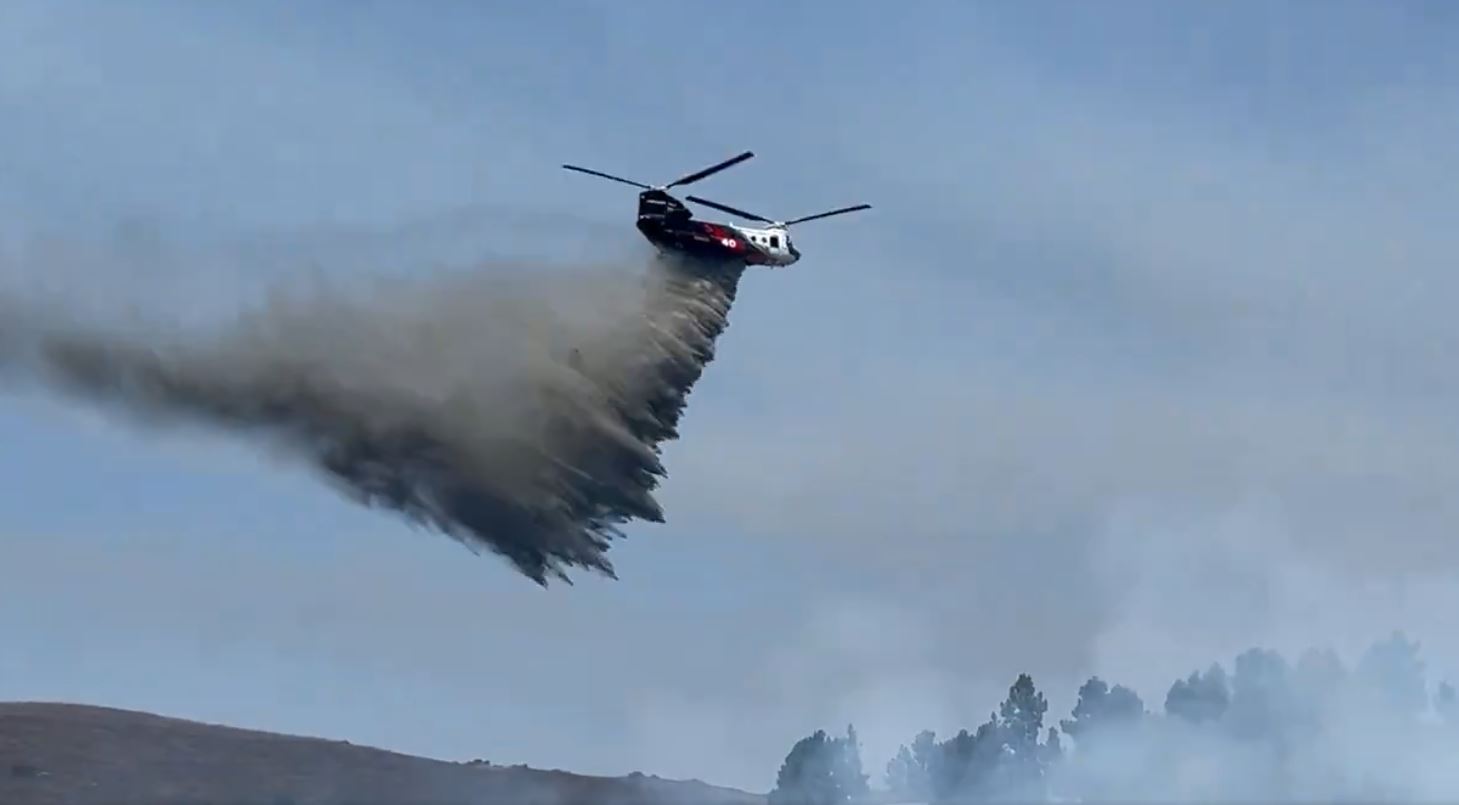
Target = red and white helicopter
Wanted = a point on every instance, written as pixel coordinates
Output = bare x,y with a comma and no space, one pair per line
669,225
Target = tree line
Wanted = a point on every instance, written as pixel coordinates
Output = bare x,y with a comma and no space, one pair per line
1266,729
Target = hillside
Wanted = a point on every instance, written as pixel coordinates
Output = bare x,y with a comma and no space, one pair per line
84,755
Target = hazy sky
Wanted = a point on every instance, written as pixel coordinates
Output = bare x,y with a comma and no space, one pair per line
1142,357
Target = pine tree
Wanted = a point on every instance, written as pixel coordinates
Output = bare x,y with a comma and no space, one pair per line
821,770
1053,748
808,775
924,747
1021,716
1392,674
1100,706
1261,695
1087,708
951,766
1200,697
901,773
909,773
1020,723
965,765
849,776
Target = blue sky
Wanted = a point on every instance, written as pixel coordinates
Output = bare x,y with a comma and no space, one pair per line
1141,357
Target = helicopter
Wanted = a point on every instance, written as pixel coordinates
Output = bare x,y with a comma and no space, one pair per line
670,226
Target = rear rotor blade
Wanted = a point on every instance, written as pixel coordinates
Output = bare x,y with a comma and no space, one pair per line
697,175
829,214
726,208
607,176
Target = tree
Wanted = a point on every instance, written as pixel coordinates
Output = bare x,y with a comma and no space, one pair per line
901,775
807,776
1266,731
923,748
1262,703
951,765
1021,721
1200,697
1100,707
909,773
1053,749
1392,674
820,770
965,764
1003,757
1021,716
847,770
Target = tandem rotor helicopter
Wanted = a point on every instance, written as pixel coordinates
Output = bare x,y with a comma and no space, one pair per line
669,225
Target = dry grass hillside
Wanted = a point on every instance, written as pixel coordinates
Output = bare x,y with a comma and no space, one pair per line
83,755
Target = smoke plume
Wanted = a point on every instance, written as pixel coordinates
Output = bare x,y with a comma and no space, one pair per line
520,412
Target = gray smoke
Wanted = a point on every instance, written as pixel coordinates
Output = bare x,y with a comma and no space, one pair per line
516,409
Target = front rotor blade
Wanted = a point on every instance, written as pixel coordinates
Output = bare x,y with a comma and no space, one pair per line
607,176
829,214
697,175
726,208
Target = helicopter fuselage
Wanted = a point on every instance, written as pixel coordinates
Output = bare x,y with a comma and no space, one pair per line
670,226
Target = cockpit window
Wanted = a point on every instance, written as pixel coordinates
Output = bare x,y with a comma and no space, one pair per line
774,241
